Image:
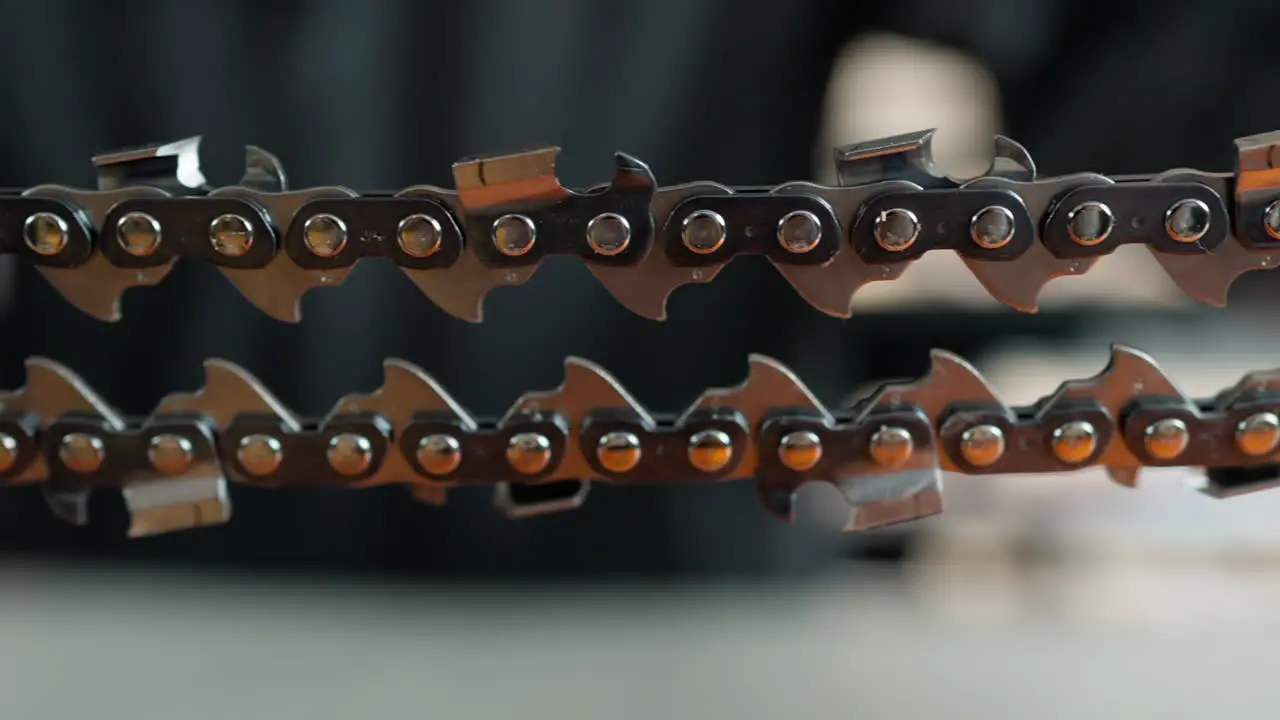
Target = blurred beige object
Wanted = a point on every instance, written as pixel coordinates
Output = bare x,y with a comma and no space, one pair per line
886,85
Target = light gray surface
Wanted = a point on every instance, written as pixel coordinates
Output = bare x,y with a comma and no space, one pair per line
142,646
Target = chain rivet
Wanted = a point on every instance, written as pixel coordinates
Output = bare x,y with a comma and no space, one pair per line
529,453
439,454
1074,442
608,234
800,450
349,454
799,232
992,227
325,235
138,234
1090,223
982,445
82,453
896,229
514,235
231,235
1258,434
710,450
1166,439
703,232
45,233
419,235
1186,221
891,446
259,454
618,451
170,454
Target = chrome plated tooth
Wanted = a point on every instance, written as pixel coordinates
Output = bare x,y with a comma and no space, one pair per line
173,167
1128,372
278,288
406,390
1011,161
263,171
907,157
483,183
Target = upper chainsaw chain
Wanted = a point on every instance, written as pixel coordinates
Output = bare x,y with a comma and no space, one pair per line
1014,231
886,453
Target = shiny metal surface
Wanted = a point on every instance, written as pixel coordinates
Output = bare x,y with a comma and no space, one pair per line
529,453
703,232
992,227
419,235
800,451
1258,434
1166,439
231,235
349,453
1090,223
1187,220
1074,442
896,229
982,445
799,231
45,233
325,235
82,453
439,454
891,446
259,454
170,454
619,451
710,450
139,234
608,234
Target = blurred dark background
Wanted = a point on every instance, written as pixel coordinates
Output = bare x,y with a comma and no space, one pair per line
388,93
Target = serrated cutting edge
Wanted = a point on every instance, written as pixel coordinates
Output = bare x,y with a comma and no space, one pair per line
278,288
1128,372
97,286
406,390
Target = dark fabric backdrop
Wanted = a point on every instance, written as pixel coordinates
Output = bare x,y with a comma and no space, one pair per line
386,93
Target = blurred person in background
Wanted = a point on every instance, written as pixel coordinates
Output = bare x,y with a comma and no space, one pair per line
389,93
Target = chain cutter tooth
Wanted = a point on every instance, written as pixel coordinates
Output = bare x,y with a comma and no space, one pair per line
406,391
588,390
